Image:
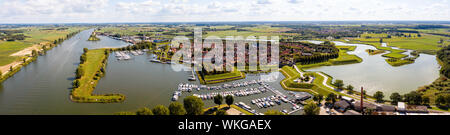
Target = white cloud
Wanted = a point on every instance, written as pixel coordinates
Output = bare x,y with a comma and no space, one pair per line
219,10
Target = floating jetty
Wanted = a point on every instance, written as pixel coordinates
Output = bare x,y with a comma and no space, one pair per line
122,55
236,93
186,87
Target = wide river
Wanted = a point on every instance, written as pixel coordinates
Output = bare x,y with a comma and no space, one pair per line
43,86
375,74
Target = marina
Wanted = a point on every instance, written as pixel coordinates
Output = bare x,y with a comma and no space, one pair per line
276,99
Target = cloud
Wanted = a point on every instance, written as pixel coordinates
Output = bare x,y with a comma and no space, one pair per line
218,10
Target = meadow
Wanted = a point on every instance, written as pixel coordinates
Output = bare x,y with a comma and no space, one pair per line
35,36
95,61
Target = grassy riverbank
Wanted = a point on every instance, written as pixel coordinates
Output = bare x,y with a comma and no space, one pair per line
288,82
223,77
93,69
398,62
344,58
93,37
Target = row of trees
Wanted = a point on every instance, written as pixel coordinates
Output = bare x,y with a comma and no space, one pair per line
413,98
444,56
191,106
194,106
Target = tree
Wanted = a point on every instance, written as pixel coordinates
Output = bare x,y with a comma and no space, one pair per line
160,110
339,84
320,96
331,97
350,89
76,83
229,100
218,99
193,105
221,112
176,108
85,50
83,58
440,100
395,98
311,109
379,96
144,111
413,98
425,100
79,73
34,53
273,112
447,100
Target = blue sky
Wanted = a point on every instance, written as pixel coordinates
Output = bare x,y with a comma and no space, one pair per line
96,11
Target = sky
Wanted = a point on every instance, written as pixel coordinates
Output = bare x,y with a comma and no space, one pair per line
116,11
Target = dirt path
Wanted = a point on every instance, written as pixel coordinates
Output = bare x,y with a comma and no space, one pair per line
5,68
26,51
233,111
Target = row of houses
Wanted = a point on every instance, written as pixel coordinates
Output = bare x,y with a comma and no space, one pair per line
349,106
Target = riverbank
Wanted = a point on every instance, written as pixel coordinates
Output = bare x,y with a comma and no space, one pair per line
92,69
93,37
343,59
219,78
18,56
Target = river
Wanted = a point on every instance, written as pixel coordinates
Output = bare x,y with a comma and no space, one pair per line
375,74
43,87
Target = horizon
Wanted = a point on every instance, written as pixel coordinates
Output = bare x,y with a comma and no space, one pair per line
184,11
433,22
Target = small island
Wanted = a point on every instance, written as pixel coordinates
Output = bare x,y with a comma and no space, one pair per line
374,52
93,37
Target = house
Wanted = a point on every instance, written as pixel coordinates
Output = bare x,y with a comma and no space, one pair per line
366,105
385,108
416,109
341,106
302,97
348,99
401,107
352,112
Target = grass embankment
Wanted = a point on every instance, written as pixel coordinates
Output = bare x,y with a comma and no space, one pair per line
318,86
93,37
374,52
13,70
93,69
344,58
218,78
288,82
398,62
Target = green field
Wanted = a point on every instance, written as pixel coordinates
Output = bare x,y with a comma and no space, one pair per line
8,48
96,59
344,58
398,62
425,44
224,77
35,35
245,34
288,84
